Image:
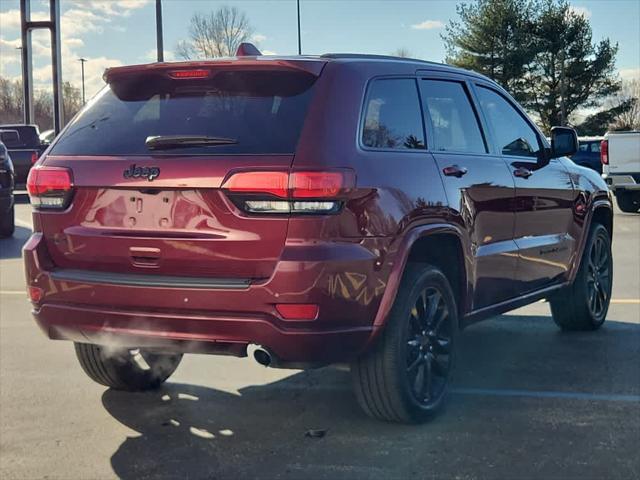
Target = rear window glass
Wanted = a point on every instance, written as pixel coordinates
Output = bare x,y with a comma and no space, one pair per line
15,136
589,147
455,126
392,115
261,111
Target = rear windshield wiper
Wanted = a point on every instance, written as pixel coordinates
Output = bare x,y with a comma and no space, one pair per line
165,142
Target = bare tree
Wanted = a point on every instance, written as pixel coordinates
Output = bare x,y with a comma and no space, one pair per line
401,52
629,95
216,34
11,103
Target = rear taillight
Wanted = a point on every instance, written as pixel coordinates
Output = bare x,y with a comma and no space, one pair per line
604,152
35,294
313,192
50,187
34,158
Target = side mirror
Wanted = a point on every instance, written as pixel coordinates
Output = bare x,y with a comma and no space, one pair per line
564,142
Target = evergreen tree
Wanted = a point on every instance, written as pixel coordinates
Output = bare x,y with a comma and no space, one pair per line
542,51
495,38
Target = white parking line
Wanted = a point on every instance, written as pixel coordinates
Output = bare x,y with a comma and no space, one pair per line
547,394
23,224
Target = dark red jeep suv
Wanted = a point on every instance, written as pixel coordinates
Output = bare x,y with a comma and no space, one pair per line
305,211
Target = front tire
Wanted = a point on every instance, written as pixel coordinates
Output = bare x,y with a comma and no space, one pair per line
405,376
628,202
126,369
584,305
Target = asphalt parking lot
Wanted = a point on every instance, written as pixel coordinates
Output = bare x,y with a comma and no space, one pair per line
529,402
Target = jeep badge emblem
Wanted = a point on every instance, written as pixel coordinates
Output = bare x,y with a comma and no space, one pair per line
141,172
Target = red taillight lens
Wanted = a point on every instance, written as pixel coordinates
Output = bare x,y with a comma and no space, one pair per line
604,152
298,311
313,192
272,183
189,74
35,294
49,187
316,184
34,158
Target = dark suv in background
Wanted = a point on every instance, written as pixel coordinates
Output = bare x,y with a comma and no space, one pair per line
308,210
588,154
7,181
25,147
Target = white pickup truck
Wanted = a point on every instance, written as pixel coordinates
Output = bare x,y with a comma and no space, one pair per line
620,156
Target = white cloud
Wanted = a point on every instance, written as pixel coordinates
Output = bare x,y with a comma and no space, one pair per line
10,19
258,38
630,73
152,56
581,11
428,25
121,8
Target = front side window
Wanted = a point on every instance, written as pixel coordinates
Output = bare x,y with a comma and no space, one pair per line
455,125
392,115
513,135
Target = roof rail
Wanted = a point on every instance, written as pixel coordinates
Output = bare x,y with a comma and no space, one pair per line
368,56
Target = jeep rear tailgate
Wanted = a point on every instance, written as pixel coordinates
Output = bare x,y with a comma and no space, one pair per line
142,206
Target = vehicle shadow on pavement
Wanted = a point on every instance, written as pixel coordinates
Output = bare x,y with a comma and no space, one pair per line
12,247
188,431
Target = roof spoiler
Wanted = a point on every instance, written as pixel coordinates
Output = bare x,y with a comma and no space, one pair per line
247,50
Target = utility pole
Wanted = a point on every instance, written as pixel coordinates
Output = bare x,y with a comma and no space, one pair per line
159,40
82,60
299,38
53,25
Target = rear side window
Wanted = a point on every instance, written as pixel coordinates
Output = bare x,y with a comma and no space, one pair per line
262,112
514,136
10,138
392,115
455,125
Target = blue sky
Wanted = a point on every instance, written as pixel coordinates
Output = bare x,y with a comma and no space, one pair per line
115,32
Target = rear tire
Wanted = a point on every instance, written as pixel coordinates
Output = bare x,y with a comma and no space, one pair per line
8,223
584,305
405,376
125,369
628,202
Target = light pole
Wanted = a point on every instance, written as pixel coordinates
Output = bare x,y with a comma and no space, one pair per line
299,38
82,60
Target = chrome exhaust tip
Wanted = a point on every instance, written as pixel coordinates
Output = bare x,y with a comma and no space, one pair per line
260,354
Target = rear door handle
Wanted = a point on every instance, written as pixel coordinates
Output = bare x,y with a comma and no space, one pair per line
454,171
522,172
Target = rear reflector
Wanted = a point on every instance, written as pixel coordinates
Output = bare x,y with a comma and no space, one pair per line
189,73
49,187
298,311
604,152
34,158
35,294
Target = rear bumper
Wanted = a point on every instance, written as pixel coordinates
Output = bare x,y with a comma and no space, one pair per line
342,279
622,181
